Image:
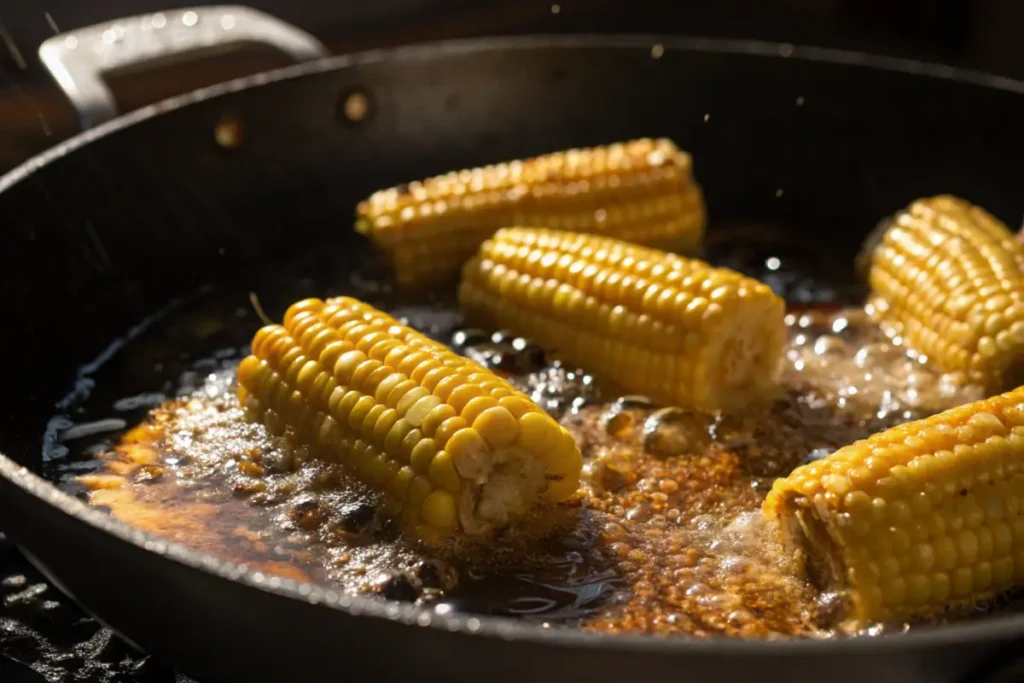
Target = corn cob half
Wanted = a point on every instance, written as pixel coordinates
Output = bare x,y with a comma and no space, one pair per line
642,191
921,517
948,277
456,448
673,328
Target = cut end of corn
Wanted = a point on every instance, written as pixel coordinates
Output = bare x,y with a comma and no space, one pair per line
457,449
642,191
923,517
948,278
654,323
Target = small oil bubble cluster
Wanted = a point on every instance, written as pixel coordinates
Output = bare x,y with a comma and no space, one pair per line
554,387
846,361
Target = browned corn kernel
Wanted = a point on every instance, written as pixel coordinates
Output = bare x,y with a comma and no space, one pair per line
915,519
948,278
673,328
462,454
642,191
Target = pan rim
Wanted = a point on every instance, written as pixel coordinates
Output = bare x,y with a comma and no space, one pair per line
697,44
992,627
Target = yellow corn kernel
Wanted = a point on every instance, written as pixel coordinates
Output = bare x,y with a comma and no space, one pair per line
594,301
948,278
355,406
439,510
642,191
855,530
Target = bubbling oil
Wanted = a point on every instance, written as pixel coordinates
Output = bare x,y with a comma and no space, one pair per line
664,537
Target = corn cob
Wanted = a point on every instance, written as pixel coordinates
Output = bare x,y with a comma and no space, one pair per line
654,323
457,449
642,191
921,517
949,278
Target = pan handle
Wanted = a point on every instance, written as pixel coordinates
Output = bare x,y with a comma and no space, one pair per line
77,60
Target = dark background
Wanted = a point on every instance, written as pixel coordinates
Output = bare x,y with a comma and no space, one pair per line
985,35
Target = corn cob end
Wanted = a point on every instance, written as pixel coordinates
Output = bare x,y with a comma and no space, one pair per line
675,329
916,520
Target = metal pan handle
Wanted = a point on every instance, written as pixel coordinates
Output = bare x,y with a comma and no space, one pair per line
77,60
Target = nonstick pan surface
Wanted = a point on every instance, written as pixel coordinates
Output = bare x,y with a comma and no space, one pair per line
108,227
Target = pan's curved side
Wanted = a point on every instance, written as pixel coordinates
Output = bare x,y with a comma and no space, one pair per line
221,630
98,235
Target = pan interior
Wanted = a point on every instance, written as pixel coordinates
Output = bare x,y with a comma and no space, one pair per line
667,538
102,234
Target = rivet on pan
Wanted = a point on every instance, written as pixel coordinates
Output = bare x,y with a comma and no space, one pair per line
356,106
657,50
228,132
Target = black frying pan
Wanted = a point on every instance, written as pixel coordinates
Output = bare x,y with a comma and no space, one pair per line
104,229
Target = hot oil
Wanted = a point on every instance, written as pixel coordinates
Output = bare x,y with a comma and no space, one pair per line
665,537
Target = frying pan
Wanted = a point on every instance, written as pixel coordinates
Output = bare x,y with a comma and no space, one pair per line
105,228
